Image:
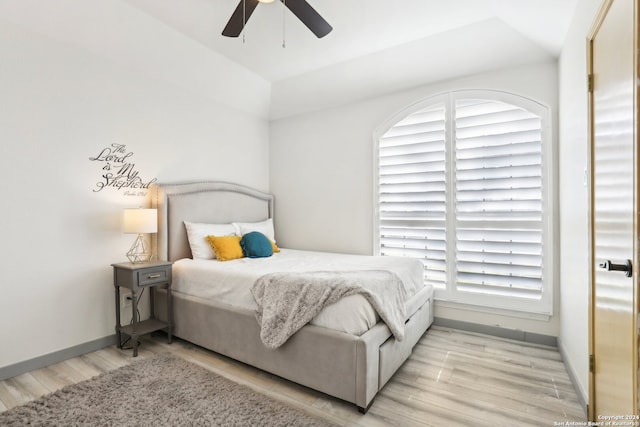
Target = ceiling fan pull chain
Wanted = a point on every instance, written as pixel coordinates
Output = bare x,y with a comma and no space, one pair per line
284,16
244,18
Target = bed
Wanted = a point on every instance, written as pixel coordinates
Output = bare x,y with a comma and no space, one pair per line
351,365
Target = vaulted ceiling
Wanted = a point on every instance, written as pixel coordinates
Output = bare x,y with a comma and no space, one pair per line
361,28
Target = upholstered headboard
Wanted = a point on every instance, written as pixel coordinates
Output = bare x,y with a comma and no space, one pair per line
207,202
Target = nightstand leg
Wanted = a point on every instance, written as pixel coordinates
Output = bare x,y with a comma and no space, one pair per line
169,315
134,308
118,334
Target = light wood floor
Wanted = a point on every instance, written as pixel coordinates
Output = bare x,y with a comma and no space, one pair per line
453,378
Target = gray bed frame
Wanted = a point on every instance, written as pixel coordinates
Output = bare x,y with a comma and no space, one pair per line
348,367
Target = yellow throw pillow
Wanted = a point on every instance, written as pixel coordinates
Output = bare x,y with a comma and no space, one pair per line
226,247
275,248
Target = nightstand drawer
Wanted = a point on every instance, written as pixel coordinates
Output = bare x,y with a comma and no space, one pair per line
154,275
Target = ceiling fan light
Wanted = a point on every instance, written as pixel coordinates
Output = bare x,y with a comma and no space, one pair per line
266,1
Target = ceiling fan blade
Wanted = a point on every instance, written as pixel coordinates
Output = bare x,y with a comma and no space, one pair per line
239,18
309,17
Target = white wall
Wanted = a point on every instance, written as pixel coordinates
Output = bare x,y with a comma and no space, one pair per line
76,77
321,169
573,196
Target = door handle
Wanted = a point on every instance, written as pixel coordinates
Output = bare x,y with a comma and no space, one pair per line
626,267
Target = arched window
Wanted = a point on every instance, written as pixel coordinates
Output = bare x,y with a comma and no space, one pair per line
463,184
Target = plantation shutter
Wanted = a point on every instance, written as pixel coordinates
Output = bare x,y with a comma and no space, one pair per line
498,201
412,191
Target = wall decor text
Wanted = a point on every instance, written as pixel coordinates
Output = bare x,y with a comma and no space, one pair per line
119,172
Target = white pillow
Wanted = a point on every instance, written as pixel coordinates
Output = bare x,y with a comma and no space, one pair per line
265,227
197,233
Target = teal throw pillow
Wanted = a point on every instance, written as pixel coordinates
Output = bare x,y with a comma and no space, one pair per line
256,245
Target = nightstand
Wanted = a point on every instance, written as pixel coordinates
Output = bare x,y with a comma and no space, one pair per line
138,277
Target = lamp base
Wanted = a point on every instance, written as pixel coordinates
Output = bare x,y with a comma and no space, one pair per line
139,252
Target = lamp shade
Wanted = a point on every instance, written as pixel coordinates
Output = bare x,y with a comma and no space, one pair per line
140,220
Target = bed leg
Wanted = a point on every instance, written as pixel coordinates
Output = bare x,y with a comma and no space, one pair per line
364,410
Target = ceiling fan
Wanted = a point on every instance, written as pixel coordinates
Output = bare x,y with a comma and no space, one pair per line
300,8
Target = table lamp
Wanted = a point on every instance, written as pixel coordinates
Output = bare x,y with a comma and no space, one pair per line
140,221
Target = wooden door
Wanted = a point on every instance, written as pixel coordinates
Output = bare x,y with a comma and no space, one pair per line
613,105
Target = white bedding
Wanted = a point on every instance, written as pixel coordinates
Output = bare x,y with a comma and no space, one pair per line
230,282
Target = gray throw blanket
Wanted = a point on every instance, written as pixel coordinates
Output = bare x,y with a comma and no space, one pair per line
288,301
